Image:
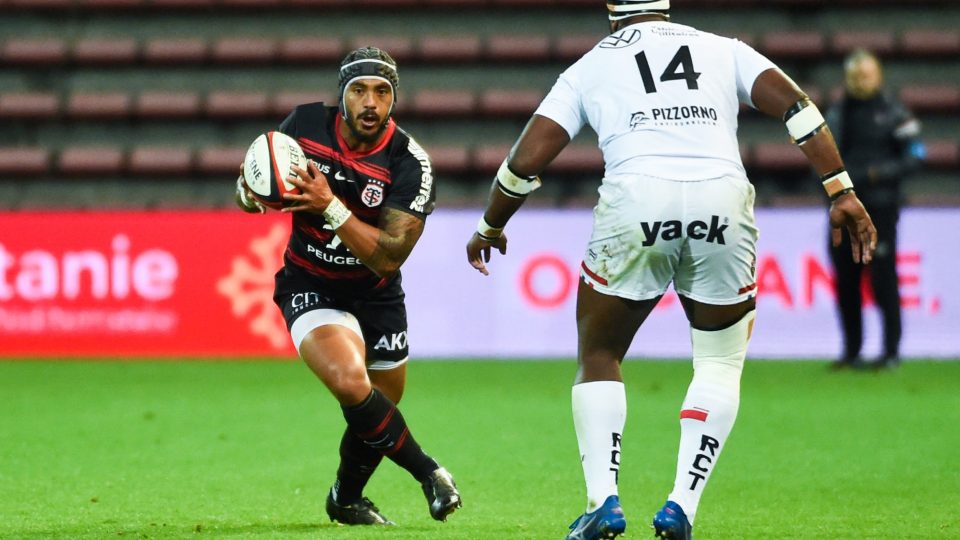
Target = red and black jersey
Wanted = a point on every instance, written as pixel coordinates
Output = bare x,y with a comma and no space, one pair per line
395,174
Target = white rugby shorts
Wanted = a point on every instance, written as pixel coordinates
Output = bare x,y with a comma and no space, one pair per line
649,232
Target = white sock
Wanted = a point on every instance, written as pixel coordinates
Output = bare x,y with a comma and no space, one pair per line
709,409
599,413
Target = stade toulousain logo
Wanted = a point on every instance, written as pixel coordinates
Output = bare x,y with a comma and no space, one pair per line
372,195
249,287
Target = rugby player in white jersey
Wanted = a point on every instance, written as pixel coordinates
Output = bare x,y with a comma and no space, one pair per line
676,207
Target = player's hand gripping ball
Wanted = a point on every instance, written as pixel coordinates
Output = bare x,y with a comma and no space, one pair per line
267,166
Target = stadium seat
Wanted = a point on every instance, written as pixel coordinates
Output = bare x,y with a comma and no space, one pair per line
165,5
42,4
509,103
152,160
307,50
518,48
29,105
878,42
167,105
175,51
461,48
487,158
801,44
282,103
568,48
446,159
244,50
920,99
927,43
98,105
88,5
23,161
220,160
578,158
232,105
777,157
435,103
942,154
105,51
401,48
34,51
82,161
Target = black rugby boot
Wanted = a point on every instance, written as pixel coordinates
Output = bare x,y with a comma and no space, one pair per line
362,512
442,494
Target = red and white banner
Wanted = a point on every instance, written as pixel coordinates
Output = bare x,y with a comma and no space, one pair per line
200,284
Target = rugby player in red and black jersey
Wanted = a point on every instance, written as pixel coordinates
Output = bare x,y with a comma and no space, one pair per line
365,196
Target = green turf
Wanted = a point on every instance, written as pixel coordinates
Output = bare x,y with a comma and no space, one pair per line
247,450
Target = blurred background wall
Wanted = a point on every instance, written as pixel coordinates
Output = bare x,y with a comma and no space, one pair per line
151,103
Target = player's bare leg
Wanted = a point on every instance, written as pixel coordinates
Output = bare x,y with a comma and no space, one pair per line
336,355
605,326
720,334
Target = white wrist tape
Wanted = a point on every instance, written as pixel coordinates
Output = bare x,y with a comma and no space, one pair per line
836,181
248,202
336,213
485,230
513,185
803,120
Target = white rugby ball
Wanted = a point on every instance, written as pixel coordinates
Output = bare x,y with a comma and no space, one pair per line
267,165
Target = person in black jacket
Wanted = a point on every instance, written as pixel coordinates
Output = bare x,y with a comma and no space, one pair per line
879,140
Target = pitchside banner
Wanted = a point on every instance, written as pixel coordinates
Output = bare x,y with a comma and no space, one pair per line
168,284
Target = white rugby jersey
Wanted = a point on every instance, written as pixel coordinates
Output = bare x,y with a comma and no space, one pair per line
663,99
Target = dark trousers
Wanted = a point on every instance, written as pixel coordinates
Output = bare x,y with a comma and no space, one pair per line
883,278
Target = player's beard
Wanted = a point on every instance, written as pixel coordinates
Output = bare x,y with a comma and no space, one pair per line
366,137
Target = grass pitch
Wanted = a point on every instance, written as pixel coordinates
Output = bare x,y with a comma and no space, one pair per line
248,450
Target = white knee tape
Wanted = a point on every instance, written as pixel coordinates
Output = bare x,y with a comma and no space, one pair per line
721,353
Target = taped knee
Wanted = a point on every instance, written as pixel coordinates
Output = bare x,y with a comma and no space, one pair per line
719,354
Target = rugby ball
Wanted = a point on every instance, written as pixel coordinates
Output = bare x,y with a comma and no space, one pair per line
267,165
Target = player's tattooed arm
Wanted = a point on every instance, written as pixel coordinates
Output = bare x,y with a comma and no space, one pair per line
385,247
399,232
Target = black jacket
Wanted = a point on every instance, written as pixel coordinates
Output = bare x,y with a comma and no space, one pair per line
880,145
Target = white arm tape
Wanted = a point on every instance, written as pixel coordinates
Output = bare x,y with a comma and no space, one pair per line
804,122
837,183
336,213
485,230
513,185
247,202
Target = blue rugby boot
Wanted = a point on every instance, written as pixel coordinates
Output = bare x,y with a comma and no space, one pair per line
671,523
604,522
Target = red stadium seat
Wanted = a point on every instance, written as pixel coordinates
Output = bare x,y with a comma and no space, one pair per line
878,42
401,48
931,98
81,161
33,105
926,43
433,103
793,45
462,48
283,103
518,48
307,50
167,105
231,105
175,51
42,4
506,103
578,158
943,154
220,160
448,159
182,4
244,50
105,51
34,51
571,47
24,161
110,105
487,158
777,157
151,160
260,4
109,4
